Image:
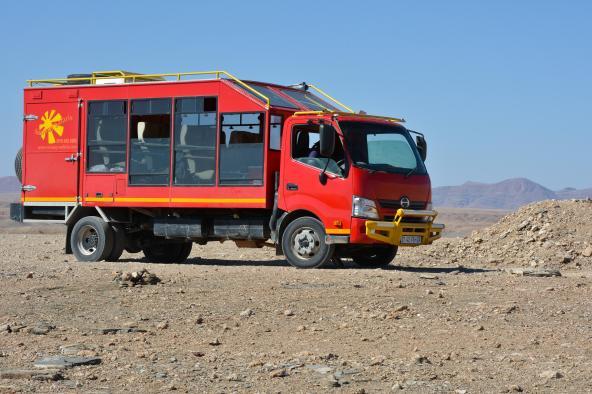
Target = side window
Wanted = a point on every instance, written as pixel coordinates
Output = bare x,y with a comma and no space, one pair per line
106,136
305,149
241,149
195,140
275,132
150,141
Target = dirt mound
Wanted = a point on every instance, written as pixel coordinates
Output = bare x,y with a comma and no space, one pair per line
552,233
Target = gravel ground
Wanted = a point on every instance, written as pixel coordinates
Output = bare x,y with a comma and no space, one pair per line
242,320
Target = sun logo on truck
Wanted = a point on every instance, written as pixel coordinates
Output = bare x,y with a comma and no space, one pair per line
51,124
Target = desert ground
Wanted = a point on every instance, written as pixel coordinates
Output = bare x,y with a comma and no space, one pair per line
505,307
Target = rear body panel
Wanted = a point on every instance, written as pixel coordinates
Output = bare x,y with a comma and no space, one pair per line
57,180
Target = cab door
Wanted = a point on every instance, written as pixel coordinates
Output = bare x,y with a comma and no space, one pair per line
301,186
51,152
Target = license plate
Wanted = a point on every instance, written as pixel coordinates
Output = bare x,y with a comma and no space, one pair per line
410,239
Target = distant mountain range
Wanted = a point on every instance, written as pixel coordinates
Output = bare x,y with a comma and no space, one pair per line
508,194
9,184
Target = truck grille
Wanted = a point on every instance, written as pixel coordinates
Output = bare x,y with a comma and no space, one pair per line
396,204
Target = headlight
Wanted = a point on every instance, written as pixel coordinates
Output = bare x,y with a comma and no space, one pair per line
364,208
429,206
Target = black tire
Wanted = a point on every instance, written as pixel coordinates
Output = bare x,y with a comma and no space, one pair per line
303,242
132,244
184,252
119,242
18,165
376,256
133,249
91,239
167,252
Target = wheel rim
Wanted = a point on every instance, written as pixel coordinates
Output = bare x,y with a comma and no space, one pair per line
306,243
88,240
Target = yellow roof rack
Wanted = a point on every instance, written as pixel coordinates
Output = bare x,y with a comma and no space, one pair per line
337,113
136,77
130,77
125,74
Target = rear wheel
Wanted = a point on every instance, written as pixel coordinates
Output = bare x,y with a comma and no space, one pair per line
91,239
133,243
119,242
168,252
304,244
376,256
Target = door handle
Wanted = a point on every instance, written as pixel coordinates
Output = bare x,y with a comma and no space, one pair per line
292,186
72,157
28,188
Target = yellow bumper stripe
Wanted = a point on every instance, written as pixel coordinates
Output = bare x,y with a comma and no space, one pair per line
336,231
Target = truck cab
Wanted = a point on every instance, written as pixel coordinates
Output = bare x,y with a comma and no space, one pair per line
153,163
358,175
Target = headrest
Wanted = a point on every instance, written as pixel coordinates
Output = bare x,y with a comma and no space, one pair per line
302,142
141,129
183,135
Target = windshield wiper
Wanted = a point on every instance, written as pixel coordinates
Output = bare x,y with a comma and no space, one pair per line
410,172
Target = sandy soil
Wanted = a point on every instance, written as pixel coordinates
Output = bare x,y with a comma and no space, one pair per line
242,320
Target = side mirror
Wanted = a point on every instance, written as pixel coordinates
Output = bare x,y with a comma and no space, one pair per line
326,140
422,147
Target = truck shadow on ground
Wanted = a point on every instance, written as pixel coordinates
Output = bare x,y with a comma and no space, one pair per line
331,266
439,270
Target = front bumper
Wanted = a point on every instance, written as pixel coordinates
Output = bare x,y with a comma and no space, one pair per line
406,224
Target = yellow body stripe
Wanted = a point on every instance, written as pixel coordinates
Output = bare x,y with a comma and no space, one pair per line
98,199
142,199
49,199
221,200
149,200
181,200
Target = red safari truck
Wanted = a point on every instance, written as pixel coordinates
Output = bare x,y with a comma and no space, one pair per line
153,163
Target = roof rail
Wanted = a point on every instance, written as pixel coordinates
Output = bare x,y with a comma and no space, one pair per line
337,113
135,77
131,77
331,98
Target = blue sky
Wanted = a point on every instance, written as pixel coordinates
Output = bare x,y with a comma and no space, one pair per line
501,90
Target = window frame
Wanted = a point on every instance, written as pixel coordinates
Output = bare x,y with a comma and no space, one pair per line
174,142
125,144
263,115
171,135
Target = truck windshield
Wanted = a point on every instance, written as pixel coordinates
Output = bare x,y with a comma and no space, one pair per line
382,147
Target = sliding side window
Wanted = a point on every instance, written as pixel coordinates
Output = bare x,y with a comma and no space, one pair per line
275,132
306,149
241,149
195,141
150,141
106,136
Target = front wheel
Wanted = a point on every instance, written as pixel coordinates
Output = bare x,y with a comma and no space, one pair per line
376,256
304,244
91,239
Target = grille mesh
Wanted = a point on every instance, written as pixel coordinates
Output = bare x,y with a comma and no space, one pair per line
396,204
